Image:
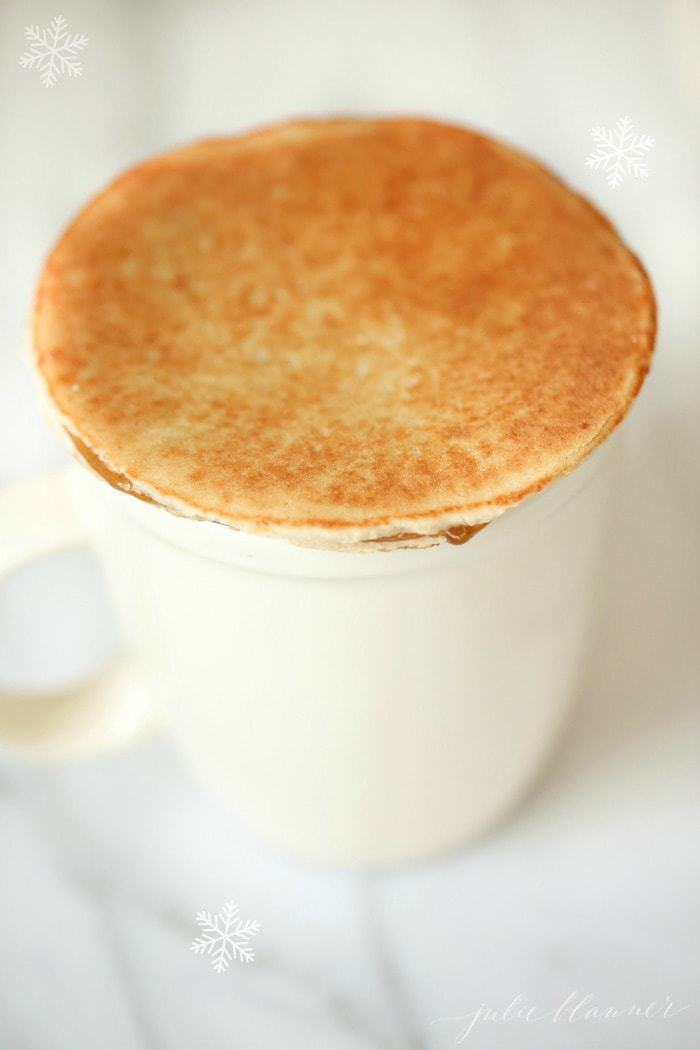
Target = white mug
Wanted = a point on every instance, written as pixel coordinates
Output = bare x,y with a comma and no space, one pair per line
355,708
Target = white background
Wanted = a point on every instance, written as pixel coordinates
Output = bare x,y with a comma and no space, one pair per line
592,886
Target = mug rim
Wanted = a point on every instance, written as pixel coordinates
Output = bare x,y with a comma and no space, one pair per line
280,556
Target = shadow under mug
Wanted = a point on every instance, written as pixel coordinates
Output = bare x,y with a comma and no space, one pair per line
358,709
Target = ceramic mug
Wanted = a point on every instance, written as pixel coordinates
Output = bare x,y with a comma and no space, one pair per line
355,708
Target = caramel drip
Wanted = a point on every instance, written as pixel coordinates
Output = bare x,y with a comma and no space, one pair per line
459,534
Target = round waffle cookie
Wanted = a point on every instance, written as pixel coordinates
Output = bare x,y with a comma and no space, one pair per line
341,331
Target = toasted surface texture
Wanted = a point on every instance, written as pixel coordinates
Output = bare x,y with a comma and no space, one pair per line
340,330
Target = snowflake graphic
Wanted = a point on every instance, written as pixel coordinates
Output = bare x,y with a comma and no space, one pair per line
225,937
53,51
619,152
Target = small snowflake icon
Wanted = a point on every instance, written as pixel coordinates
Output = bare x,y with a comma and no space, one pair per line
619,152
225,937
53,51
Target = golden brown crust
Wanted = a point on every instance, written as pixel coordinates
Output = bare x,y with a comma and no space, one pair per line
342,330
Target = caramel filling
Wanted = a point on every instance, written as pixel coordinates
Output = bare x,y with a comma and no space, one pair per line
117,481
456,534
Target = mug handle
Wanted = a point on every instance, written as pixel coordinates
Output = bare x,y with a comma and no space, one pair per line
104,714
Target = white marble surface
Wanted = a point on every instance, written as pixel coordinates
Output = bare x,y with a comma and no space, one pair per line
591,888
